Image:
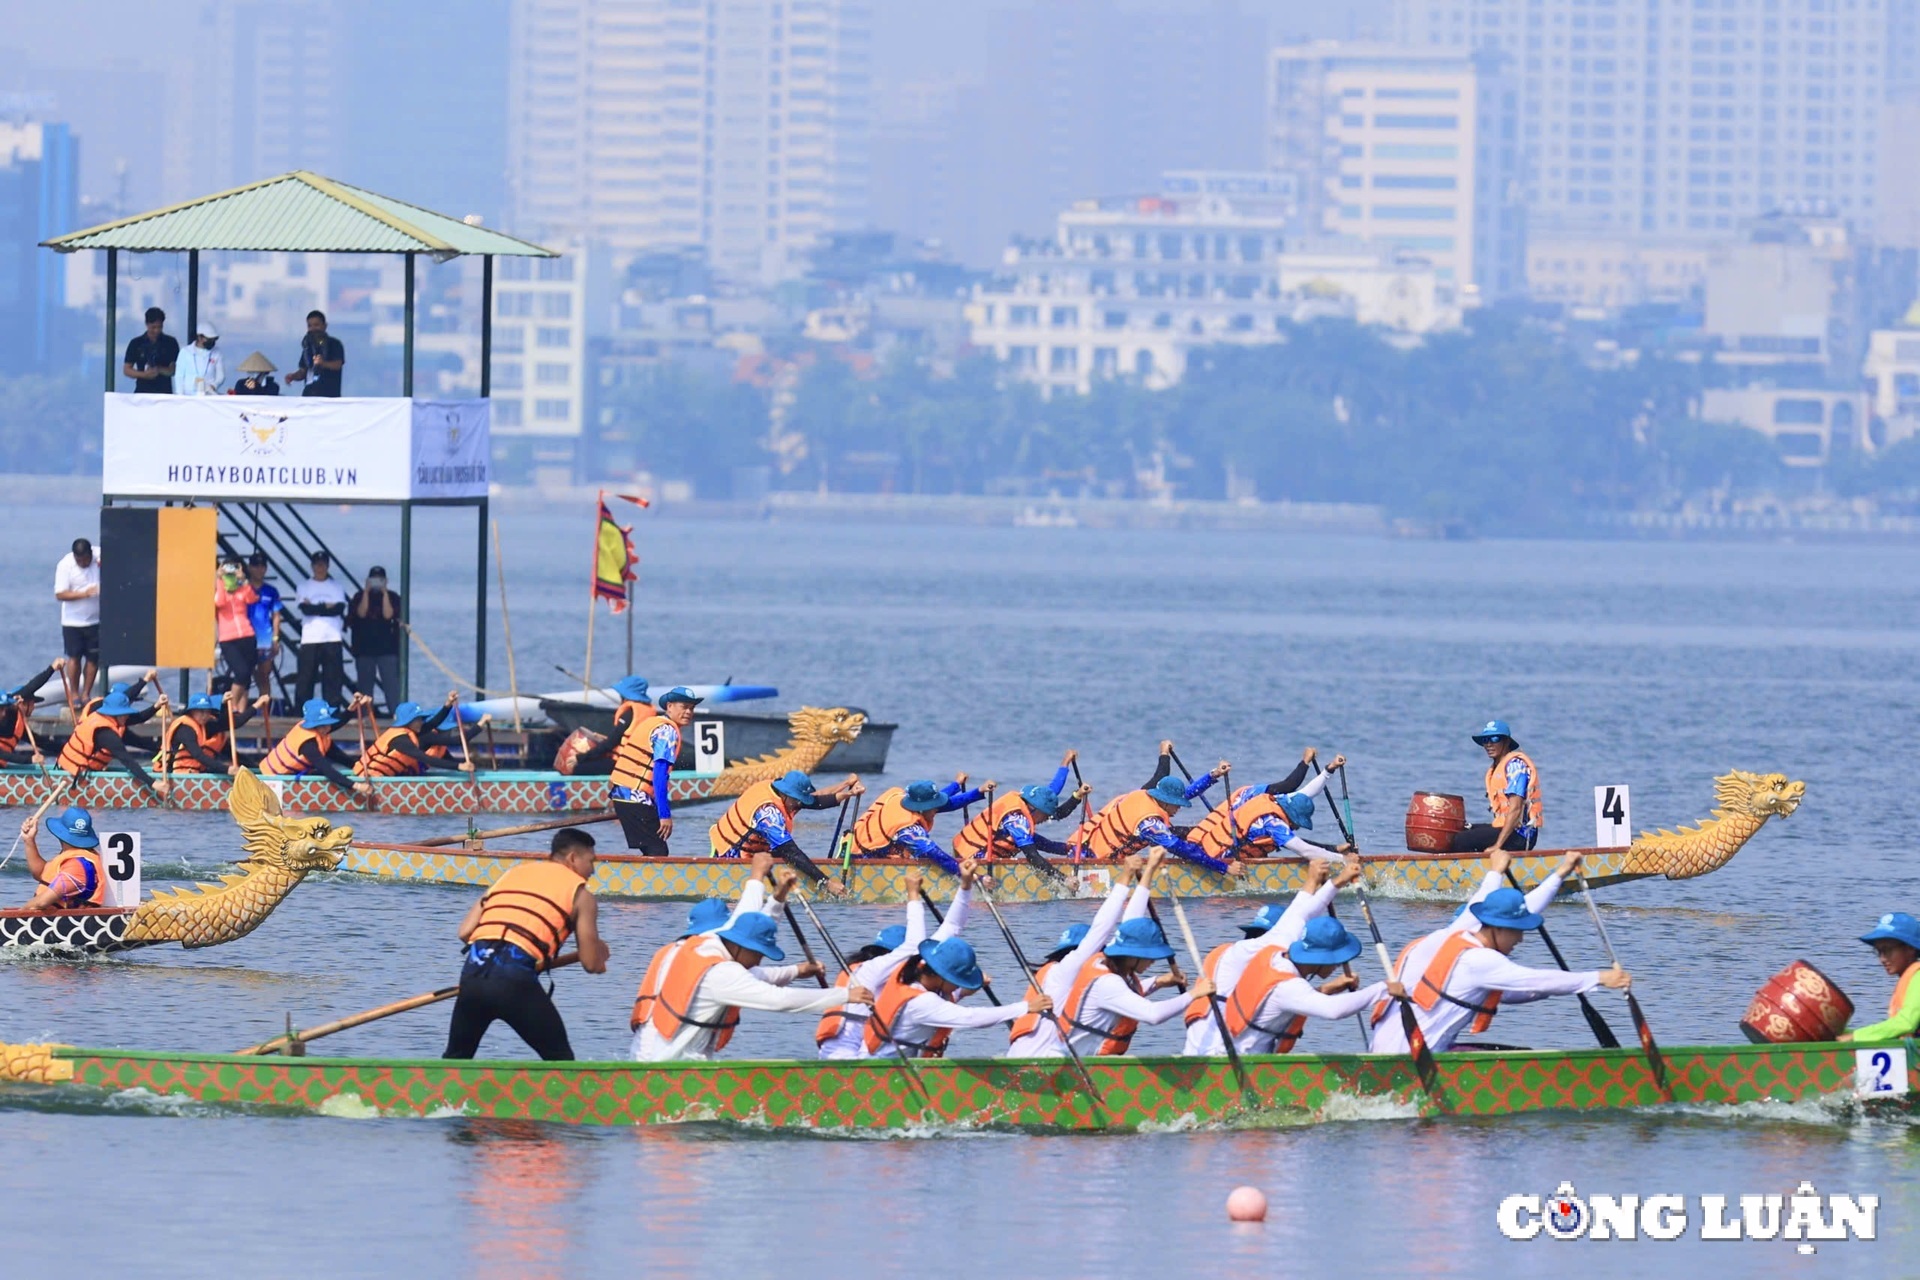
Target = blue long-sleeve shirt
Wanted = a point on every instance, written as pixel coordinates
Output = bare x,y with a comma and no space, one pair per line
1159,831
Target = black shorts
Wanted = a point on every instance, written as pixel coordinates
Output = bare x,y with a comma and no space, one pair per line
82,642
240,657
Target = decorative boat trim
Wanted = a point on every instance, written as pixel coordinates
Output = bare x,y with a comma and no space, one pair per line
504,791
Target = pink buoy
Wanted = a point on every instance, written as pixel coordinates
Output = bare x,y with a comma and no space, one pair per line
1247,1204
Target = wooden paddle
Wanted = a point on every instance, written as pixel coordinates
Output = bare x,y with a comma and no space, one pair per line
361,713
1033,980
1346,837
294,1041
806,947
1655,1062
1423,1063
1597,1024
1213,1002
525,828
880,1023
53,793
466,752
166,751
233,745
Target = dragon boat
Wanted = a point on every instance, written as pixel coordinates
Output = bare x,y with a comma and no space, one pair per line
994,1093
281,852
1745,803
815,732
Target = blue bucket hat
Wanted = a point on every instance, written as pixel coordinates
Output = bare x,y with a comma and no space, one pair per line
1140,937
796,785
75,827
1298,808
1895,926
706,916
679,693
1325,941
755,931
408,712
1263,919
923,797
892,937
1170,790
1041,798
314,714
1070,937
1492,730
116,704
203,702
1506,909
631,688
954,960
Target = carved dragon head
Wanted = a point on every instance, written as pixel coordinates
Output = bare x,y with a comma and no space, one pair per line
295,844
827,726
1757,795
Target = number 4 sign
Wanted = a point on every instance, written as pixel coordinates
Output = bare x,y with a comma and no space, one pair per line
1612,818
120,852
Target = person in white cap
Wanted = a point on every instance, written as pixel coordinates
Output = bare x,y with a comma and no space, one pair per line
199,372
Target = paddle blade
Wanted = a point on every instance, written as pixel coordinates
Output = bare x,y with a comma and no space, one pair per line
1423,1062
1601,1031
1655,1062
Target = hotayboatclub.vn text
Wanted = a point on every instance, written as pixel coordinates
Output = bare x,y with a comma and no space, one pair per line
1805,1215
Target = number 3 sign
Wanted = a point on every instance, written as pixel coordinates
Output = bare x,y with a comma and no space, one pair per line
120,852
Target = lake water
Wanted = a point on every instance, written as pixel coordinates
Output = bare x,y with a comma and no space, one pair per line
1655,665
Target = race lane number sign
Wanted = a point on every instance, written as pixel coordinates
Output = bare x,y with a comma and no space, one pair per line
1879,1073
120,852
1612,818
709,746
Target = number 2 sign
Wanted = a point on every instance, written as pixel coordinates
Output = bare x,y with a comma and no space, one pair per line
1612,818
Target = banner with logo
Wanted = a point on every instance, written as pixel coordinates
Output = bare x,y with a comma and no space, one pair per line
303,449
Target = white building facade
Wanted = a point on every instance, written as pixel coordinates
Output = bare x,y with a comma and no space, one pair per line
738,126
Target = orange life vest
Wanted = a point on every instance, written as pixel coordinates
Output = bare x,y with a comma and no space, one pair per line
1500,802
887,1004
650,983
735,833
16,723
1216,831
57,863
1256,982
628,709
286,757
383,761
633,757
184,761
81,753
532,907
884,819
1899,997
1118,1036
683,965
1432,987
972,838
834,1021
1114,826
1197,1007
1028,1023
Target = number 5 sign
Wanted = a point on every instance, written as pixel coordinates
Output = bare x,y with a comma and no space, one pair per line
709,746
120,853
1612,818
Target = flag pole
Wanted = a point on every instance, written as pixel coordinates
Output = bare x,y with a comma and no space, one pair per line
593,595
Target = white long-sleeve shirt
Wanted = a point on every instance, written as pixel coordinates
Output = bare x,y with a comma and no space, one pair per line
850,1040
1044,1040
728,985
1477,974
1203,1037
1291,999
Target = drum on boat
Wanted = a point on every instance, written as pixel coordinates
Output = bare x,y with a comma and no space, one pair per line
1432,820
577,744
1798,1005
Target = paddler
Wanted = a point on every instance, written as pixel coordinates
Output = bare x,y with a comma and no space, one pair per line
919,1009
1513,795
900,821
198,741
74,876
597,760
1266,979
1079,946
1007,827
1259,822
407,749
1896,941
100,739
761,819
308,747
1461,974
842,1032
703,982
15,714
1134,819
513,933
642,768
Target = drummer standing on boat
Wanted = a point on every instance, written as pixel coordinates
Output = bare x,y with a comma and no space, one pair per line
1513,795
642,772
1896,941
515,932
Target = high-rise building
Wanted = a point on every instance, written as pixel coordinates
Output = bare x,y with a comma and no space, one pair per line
39,198
738,126
1409,148
1682,119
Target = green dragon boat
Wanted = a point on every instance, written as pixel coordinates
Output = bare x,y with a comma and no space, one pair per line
992,1093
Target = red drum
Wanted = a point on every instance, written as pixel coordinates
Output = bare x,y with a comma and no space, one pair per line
577,744
1798,1005
1432,820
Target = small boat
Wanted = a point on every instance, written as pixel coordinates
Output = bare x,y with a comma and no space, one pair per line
533,715
281,852
993,1093
1747,801
813,732
748,733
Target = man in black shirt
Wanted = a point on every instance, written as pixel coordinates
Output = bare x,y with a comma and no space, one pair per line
322,357
373,630
151,356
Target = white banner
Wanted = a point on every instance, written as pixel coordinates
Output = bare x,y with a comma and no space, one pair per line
298,448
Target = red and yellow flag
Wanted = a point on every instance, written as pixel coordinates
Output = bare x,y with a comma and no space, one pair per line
613,557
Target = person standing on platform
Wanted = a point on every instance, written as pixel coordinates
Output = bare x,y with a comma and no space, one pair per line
323,603
373,622
1513,796
76,585
265,614
200,371
259,380
151,357
513,933
233,599
322,357
642,770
